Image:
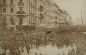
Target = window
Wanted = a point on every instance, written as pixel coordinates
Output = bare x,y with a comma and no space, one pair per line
12,20
4,23
32,11
20,0
29,10
29,2
29,20
4,10
11,1
4,1
41,0
11,10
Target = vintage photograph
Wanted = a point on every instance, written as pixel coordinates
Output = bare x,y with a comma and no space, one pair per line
42,27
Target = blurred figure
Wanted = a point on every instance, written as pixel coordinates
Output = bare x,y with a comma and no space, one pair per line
2,51
65,50
28,49
60,51
85,53
7,52
40,53
36,53
24,51
20,50
73,50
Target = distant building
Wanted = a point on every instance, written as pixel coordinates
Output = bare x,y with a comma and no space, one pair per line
64,18
53,15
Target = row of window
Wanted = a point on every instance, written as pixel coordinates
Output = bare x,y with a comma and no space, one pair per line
4,1
31,20
11,10
11,2
32,10
32,3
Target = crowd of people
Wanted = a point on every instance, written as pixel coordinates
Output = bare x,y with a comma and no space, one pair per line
65,50
18,51
26,40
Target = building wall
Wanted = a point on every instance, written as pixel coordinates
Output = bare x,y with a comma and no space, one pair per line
29,8
32,10
2,18
0,6
49,14
52,15
40,3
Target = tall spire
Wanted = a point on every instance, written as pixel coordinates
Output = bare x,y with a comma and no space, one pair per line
81,17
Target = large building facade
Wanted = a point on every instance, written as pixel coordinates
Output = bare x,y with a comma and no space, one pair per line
43,13
15,9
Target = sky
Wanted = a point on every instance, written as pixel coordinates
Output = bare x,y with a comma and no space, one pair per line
73,7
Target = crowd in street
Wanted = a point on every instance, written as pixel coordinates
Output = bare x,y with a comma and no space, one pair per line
70,50
20,43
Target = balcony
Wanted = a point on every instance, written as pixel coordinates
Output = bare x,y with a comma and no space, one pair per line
41,8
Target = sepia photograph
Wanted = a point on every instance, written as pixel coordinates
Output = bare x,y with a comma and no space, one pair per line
42,27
